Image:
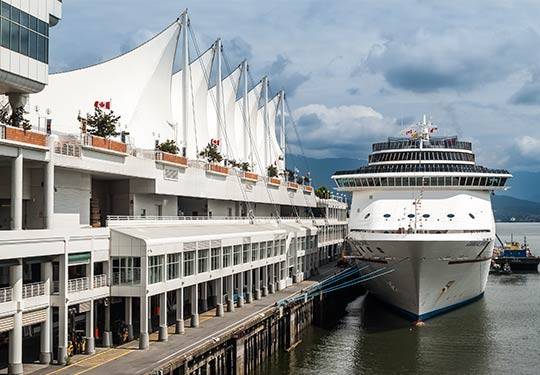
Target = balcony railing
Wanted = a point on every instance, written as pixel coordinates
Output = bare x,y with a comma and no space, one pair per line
104,144
10,133
78,285
100,281
6,294
33,290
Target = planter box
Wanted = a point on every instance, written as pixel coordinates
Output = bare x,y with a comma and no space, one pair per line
292,186
250,176
107,144
274,181
308,189
217,169
25,136
174,159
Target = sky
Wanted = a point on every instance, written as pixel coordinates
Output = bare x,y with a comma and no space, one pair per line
355,72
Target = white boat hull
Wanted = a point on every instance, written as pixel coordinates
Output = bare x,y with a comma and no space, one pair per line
430,275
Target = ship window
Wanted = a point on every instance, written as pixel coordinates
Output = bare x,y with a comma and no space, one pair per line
369,249
378,248
451,216
472,216
367,215
410,216
425,216
387,215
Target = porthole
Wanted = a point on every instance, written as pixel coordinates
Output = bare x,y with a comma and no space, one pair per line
387,216
410,216
472,216
367,215
425,216
451,216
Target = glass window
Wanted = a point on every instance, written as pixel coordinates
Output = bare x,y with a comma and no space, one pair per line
32,45
262,250
387,216
155,269
425,216
173,266
227,256
189,263
410,216
247,250
25,19
24,41
6,10
14,42
41,27
15,15
276,247
126,270
41,48
451,216
254,251
203,261
282,247
5,33
33,23
237,256
214,258
269,246
471,216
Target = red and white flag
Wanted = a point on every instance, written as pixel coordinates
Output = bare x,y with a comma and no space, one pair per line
214,142
102,104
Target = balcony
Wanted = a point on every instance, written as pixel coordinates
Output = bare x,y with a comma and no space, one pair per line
273,181
308,189
6,294
292,186
171,159
100,281
217,169
33,290
20,136
78,285
104,145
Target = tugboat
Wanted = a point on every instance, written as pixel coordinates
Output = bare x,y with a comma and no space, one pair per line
515,256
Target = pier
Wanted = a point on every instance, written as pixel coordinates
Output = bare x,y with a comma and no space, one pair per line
235,343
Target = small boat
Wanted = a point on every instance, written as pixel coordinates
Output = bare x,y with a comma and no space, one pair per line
497,269
515,256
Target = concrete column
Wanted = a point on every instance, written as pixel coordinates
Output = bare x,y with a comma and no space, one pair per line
17,191
48,193
128,316
90,343
249,282
179,329
265,281
195,306
230,293
163,334
257,283
107,334
204,297
15,335
45,355
63,310
240,289
144,340
219,295
272,284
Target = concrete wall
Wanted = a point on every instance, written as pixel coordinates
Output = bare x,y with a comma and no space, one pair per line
148,204
72,194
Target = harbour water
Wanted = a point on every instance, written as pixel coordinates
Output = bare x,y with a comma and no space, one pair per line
499,334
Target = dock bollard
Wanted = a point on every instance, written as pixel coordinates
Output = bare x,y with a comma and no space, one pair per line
107,339
144,341
179,328
257,294
163,334
264,291
249,297
240,301
194,320
272,288
219,310
230,305
90,345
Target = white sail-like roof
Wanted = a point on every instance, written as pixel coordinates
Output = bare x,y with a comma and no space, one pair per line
275,150
234,137
198,74
138,85
256,152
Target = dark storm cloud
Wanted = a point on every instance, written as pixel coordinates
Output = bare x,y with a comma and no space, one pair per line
281,76
529,93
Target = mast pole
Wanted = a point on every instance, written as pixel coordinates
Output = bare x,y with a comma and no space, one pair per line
219,91
248,155
266,121
185,86
282,119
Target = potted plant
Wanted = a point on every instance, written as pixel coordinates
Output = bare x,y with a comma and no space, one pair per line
272,172
248,175
213,157
19,128
101,126
322,192
168,152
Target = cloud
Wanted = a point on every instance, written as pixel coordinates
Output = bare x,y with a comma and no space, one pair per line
461,59
529,93
281,76
342,131
353,91
528,147
237,50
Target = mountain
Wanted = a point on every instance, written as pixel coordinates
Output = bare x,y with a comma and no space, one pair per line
322,169
524,185
508,208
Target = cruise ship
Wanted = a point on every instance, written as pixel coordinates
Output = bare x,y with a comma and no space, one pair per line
136,196
421,211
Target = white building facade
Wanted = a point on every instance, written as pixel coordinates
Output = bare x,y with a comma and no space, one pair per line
105,240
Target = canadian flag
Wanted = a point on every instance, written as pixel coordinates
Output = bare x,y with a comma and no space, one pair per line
215,142
102,104
433,130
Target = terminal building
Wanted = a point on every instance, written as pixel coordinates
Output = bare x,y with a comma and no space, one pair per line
107,239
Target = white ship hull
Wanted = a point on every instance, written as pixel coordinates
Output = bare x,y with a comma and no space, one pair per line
431,275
